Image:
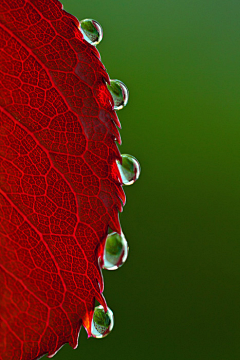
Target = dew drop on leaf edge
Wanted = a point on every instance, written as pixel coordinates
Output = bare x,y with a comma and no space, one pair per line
129,169
91,30
119,93
115,251
102,323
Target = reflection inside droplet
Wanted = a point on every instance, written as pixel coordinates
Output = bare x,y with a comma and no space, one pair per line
115,251
102,323
129,169
92,31
119,93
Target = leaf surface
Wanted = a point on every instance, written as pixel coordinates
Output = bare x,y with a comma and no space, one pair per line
59,182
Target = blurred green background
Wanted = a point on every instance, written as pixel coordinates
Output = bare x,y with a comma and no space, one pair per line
178,295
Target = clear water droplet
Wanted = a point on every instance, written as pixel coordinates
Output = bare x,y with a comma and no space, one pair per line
119,93
92,31
129,169
102,323
115,251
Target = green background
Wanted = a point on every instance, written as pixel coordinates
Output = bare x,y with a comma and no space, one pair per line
178,295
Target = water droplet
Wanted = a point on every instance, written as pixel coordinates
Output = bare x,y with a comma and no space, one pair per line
115,251
119,93
129,169
102,323
92,31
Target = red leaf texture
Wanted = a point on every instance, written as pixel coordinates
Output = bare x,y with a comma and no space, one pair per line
59,183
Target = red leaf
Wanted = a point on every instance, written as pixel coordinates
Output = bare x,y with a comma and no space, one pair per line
59,183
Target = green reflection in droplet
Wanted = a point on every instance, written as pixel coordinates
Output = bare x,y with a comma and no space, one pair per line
115,252
102,323
119,93
129,169
92,31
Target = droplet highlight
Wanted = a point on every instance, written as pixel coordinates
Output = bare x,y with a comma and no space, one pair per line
91,30
119,93
102,323
115,251
129,169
